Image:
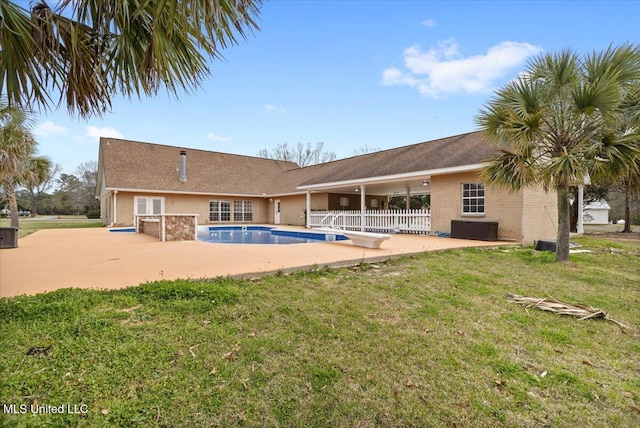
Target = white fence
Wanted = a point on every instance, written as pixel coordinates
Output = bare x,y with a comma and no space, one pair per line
404,221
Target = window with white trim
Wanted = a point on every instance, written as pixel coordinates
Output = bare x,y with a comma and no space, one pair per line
220,210
344,202
473,198
148,205
242,210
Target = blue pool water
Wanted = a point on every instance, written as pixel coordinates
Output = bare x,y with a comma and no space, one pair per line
122,229
262,235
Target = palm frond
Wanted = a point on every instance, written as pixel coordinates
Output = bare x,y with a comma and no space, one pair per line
36,171
568,167
23,79
89,50
17,145
619,63
556,70
510,170
615,155
582,312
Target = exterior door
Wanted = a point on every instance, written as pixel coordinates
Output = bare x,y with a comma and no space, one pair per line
148,205
276,211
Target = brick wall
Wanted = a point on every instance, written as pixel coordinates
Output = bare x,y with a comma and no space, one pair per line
501,206
505,207
541,215
523,216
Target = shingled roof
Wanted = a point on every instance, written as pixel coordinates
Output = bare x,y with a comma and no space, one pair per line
450,152
154,167
144,166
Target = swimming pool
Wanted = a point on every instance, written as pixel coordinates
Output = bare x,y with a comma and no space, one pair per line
261,235
122,229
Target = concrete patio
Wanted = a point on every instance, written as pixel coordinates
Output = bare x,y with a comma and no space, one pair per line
96,258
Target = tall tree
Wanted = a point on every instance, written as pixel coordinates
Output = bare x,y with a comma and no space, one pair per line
415,202
365,149
549,125
89,50
630,185
303,155
87,173
39,183
18,160
619,153
69,195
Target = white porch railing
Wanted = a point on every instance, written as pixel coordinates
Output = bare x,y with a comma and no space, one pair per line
404,221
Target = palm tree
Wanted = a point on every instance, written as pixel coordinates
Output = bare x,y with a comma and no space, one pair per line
18,163
38,172
550,123
89,50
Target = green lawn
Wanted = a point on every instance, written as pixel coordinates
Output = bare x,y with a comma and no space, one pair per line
30,225
423,341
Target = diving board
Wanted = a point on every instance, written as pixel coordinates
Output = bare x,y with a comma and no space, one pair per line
360,239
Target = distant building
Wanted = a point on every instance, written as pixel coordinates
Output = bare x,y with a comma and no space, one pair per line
596,212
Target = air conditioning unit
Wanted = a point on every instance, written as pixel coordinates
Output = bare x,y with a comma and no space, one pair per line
477,230
8,237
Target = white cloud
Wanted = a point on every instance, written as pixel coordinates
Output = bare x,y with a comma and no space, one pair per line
429,23
271,107
107,131
443,70
215,137
49,129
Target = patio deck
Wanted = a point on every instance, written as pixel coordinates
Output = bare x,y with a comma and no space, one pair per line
95,258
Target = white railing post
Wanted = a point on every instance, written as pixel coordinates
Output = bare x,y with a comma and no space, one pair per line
308,225
405,221
363,208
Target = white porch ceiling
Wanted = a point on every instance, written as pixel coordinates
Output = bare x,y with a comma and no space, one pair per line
393,188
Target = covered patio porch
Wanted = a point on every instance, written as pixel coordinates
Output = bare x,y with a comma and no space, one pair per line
377,213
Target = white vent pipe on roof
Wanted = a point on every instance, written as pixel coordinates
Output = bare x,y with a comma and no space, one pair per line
183,166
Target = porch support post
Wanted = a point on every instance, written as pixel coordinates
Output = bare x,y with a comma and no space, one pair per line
408,203
308,225
115,207
580,202
362,207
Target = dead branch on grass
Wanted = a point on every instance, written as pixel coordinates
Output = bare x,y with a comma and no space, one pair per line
552,305
191,348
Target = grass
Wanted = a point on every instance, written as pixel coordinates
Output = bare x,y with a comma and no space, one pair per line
428,340
29,225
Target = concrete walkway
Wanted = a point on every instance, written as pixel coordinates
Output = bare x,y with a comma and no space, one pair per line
96,258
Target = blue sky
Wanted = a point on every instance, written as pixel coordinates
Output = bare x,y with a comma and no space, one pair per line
351,74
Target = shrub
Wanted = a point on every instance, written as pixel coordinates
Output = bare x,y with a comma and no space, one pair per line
93,214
